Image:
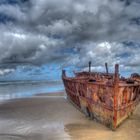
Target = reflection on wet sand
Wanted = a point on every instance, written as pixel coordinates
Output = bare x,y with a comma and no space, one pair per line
54,118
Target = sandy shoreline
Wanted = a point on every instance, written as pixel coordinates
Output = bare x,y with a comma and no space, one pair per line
60,93
43,118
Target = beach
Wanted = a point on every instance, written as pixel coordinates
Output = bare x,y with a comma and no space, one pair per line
47,117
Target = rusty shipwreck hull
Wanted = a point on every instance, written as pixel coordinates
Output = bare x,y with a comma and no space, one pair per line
135,77
103,96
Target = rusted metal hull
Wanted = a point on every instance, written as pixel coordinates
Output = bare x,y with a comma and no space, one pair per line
135,77
109,101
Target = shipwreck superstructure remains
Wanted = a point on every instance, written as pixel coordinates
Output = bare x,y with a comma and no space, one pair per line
136,77
106,97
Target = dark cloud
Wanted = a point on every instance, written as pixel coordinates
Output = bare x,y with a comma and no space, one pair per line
39,32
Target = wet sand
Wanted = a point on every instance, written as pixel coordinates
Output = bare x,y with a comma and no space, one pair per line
54,118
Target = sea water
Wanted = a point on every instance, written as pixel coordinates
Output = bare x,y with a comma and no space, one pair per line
11,90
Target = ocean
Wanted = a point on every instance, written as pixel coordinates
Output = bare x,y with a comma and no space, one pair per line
20,89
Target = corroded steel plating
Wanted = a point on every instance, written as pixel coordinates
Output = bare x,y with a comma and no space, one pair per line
103,96
135,76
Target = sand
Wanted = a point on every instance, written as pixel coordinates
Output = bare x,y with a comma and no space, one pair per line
54,118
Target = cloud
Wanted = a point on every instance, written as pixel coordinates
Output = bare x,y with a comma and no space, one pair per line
125,54
27,47
6,71
70,32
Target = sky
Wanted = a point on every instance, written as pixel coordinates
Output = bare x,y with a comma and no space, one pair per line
39,38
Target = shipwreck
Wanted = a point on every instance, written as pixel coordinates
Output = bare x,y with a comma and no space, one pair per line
105,97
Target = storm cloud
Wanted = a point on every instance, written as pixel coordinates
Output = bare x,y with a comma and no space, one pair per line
70,32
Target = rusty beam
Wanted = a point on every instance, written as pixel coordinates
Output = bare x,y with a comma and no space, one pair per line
63,73
106,66
89,66
116,91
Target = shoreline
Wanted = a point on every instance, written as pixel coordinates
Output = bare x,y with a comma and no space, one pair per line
50,117
58,93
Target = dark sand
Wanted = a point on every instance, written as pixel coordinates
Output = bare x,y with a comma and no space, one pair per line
54,118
